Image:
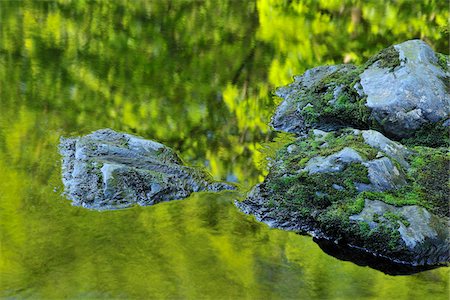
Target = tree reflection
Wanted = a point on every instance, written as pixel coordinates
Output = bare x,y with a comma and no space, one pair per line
196,75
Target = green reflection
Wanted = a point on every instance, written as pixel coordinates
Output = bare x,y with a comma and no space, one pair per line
196,75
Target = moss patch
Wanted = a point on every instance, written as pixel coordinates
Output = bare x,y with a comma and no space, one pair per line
430,135
430,169
329,199
428,182
389,58
334,100
295,155
442,61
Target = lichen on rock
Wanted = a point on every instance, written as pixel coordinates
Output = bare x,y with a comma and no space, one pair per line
111,170
403,91
325,183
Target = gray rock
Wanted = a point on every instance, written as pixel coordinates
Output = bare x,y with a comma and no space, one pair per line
332,163
288,115
403,89
378,141
413,94
319,134
338,187
321,196
425,235
384,175
363,187
111,170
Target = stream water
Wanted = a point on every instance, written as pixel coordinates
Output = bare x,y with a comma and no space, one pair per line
197,76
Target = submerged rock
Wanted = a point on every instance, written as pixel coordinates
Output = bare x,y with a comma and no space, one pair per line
111,170
363,190
403,91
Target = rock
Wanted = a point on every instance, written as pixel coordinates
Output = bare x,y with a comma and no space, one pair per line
363,190
384,175
423,233
410,95
289,116
332,163
378,141
111,170
403,90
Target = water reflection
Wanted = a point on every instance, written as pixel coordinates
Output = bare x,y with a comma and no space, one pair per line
362,258
196,75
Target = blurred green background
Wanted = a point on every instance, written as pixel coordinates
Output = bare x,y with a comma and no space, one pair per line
197,76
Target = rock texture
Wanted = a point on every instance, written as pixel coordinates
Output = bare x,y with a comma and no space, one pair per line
414,93
111,170
402,91
345,179
424,234
361,189
357,187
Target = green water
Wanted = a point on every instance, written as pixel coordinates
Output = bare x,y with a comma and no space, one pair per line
197,76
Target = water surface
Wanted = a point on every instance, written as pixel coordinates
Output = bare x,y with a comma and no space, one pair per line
197,76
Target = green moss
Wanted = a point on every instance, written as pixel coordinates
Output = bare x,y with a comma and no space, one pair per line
389,58
430,169
430,135
428,182
357,206
442,61
310,114
364,229
396,218
400,197
316,192
334,100
313,146
383,238
316,199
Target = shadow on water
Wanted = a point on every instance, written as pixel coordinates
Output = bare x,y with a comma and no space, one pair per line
363,259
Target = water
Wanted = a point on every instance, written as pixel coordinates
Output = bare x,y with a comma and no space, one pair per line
197,76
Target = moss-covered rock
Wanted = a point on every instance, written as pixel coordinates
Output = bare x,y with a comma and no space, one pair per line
111,170
326,183
402,91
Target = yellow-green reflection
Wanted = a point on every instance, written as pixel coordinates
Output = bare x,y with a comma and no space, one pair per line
196,75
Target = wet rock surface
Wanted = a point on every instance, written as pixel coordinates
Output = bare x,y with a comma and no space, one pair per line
402,91
370,167
367,173
112,170
414,93
360,189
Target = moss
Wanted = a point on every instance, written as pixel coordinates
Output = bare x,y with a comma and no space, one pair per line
310,114
430,135
428,182
357,206
442,61
316,199
382,236
389,58
430,169
399,197
312,146
316,192
396,218
334,100
382,239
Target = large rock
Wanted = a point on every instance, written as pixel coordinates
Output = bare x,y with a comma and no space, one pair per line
423,234
414,93
111,170
403,91
361,189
